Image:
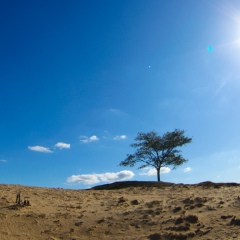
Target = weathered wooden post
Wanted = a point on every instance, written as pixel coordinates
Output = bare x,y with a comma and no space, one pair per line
18,198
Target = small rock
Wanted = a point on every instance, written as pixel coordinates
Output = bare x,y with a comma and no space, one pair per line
175,236
211,208
179,228
235,222
122,199
78,224
177,209
198,205
188,201
155,236
225,217
191,218
200,200
191,234
101,220
178,221
134,202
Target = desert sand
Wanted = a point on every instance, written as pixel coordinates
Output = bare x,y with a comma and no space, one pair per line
127,211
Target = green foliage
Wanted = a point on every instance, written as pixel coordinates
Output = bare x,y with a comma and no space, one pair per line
157,151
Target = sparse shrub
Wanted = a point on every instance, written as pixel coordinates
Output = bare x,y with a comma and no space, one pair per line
191,218
134,202
177,209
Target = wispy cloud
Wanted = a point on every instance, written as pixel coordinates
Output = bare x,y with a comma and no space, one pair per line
153,171
103,177
122,137
3,161
223,82
39,149
85,139
187,169
115,111
62,145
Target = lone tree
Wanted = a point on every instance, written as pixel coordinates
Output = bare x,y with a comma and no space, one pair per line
157,151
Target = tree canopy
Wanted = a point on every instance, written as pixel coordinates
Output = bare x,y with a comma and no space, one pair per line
157,151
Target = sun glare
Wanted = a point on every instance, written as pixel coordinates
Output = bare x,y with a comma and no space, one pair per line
233,13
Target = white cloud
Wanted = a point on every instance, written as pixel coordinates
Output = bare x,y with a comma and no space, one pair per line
113,110
153,171
165,170
93,138
83,178
85,139
103,177
122,137
39,149
62,145
3,161
187,169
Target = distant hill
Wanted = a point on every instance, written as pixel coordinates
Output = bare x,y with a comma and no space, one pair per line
127,184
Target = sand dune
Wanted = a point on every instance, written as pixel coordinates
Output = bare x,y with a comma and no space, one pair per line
127,211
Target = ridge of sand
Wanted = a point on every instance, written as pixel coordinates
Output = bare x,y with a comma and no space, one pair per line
139,210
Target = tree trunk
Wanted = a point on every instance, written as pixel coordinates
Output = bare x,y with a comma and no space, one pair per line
158,174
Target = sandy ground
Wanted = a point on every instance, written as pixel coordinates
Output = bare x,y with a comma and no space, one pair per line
164,212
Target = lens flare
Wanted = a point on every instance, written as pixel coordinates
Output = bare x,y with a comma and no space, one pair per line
210,48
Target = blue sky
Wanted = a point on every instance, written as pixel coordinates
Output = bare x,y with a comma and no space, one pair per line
80,79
